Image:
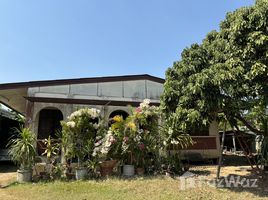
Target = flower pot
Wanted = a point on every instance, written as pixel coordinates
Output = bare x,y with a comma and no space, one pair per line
140,171
128,170
106,167
24,175
48,168
80,173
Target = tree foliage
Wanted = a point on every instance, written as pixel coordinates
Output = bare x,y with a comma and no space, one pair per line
226,73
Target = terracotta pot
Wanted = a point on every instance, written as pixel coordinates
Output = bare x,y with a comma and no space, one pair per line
106,167
140,171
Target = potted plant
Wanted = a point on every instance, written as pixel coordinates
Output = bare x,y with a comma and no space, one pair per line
79,133
22,151
128,147
52,149
128,167
141,137
118,144
140,159
106,149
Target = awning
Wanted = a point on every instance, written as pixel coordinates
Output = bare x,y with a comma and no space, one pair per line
14,98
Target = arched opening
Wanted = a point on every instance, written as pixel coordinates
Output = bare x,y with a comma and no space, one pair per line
122,113
49,125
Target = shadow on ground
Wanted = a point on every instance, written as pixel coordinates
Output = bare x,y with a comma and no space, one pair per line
6,167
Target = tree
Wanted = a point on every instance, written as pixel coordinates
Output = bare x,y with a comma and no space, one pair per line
226,74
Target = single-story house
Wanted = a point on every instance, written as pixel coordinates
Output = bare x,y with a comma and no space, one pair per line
46,103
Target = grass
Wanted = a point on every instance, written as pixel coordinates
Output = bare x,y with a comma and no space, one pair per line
140,188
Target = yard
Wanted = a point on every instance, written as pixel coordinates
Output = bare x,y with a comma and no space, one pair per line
160,187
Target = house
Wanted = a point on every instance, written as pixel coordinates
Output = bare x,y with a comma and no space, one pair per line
46,103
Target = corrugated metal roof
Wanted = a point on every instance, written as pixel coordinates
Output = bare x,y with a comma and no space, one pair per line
7,114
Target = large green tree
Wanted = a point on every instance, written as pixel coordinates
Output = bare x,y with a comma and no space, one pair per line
226,74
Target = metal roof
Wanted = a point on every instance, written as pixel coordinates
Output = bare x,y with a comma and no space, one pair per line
5,86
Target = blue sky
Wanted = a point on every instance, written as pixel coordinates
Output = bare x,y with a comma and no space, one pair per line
55,39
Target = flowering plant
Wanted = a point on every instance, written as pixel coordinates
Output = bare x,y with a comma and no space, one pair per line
130,139
109,146
133,137
173,136
80,132
147,135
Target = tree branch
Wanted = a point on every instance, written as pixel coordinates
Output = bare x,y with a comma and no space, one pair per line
248,125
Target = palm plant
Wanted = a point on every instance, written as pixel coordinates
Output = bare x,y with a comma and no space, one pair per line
22,149
52,149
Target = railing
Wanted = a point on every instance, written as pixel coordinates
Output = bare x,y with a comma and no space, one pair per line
200,143
203,142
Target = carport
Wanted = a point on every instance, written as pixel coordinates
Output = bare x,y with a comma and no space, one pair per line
8,122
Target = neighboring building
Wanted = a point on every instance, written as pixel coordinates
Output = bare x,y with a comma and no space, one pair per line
46,103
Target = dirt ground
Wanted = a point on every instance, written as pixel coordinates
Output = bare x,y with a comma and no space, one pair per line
7,173
210,171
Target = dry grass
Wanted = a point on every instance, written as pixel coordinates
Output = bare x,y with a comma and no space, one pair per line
139,188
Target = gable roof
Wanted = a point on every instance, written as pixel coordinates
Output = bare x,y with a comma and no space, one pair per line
5,86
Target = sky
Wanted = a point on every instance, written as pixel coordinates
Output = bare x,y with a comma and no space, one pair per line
57,39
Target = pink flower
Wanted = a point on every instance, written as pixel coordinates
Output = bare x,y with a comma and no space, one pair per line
126,139
112,140
141,146
138,109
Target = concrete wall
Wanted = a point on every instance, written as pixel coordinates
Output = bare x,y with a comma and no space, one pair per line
207,153
135,90
67,109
